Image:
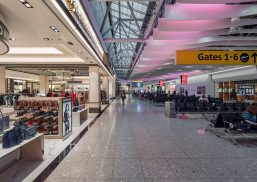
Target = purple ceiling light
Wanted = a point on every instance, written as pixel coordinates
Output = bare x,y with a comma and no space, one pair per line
207,11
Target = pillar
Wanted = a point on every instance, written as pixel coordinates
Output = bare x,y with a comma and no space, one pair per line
94,90
106,87
113,89
43,84
2,79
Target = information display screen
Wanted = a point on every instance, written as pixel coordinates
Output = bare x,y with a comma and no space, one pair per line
246,89
137,84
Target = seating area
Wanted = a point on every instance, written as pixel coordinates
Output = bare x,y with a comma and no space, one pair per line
232,126
224,118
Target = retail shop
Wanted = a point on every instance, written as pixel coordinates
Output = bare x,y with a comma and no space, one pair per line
54,83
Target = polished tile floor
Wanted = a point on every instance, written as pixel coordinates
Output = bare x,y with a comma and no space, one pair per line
137,143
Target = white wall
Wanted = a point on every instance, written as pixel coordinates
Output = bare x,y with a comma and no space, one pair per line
196,81
21,76
248,73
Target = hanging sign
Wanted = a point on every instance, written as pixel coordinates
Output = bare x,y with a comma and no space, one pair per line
161,83
183,79
185,57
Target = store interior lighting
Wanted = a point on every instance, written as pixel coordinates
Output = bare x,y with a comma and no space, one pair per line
34,50
26,4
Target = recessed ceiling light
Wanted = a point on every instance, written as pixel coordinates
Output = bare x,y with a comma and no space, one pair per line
34,50
179,70
12,39
159,68
47,39
80,52
26,4
54,29
189,66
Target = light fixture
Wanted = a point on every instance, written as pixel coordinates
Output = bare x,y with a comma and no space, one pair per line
34,50
48,39
54,29
80,52
167,63
12,39
26,4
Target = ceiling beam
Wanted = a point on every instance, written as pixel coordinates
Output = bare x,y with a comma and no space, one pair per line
108,30
106,15
124,40
134,17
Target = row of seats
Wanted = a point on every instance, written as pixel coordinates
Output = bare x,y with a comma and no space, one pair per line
231,125
210,107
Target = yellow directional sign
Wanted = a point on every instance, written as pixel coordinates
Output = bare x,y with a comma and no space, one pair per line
188,57
70,5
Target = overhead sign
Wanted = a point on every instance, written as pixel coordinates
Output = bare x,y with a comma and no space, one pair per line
161,83
183,79
184,57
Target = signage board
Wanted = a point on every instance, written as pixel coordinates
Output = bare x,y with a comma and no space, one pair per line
161,83
183,79
188,57
246,89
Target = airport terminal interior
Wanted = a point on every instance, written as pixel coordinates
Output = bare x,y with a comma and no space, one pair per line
128,90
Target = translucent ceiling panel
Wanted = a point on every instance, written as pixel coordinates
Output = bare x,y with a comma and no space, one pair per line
161,35
207,11
213,1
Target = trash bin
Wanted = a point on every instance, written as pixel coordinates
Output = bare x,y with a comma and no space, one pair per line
170,109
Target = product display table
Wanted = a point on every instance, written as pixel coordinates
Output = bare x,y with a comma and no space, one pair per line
29,150
78,118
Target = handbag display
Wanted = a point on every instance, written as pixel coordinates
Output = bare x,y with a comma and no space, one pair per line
27,131
12,137
4,122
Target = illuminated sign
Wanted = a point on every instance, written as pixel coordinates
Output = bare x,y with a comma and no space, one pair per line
161,83
70,4
184,57
183,79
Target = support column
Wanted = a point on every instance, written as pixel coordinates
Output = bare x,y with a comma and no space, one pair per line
94,90
106,87
2,79
113,89
43,84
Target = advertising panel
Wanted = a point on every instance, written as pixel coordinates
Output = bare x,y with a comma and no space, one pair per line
66,117
183,79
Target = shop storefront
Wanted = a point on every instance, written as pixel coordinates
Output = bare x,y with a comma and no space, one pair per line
244,90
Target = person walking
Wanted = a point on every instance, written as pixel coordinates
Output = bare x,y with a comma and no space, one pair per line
123,97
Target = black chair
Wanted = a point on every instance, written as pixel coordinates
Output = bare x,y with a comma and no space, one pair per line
210,107
230,106
239,106
190,107
200,106
246,104
220,106
180,107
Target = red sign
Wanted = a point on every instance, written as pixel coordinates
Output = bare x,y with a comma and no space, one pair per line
161,83
183,79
